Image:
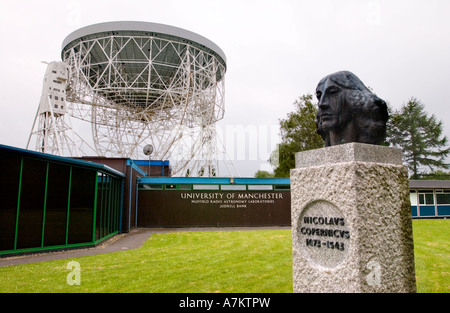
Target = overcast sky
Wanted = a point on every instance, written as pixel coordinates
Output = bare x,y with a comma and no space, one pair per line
276,51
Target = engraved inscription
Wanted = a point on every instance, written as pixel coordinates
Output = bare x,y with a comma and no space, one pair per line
323,234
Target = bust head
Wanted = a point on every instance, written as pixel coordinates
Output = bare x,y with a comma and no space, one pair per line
348,111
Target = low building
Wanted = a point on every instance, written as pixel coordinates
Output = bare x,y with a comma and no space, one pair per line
51,202
430,198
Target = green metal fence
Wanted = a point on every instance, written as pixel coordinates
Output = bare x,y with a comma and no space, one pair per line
50,202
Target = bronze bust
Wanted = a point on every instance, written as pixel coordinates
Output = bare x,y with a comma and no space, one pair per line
349,111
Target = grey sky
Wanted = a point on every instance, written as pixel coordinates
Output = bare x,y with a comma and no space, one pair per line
276,51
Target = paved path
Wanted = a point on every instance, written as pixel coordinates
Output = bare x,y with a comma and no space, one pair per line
128,241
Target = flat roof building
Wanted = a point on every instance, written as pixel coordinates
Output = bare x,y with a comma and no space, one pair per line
51,202
430,198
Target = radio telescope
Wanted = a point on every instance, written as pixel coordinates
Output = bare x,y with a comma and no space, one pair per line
139,83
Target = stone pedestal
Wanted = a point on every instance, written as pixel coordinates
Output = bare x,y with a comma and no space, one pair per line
351,220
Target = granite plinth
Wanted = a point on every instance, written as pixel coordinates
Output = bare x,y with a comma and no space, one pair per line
351,221
351,152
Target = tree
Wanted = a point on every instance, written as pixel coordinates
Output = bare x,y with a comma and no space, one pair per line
436,175
263,174
298,133
419,136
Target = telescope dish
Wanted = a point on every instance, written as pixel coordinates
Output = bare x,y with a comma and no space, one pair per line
140,84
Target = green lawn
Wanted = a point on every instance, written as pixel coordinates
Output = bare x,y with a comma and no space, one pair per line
222,261
432,255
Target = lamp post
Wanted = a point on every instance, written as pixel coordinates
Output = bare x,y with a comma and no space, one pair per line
148,149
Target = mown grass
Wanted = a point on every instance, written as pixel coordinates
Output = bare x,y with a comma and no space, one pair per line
432,255
221,261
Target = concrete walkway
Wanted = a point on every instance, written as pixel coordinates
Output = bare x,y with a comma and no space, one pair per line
128,241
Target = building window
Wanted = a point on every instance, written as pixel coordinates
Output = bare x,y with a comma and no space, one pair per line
413,197
233,187
442,197
426,197
185,187
150,187
282,187
260,187
205,187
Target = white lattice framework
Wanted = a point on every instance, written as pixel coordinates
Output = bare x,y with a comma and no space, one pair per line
52,131
138,88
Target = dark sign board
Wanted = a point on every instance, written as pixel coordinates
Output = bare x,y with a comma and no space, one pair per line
188,208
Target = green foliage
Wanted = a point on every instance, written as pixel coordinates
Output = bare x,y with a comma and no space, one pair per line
263,174
436,175
298,133
419,136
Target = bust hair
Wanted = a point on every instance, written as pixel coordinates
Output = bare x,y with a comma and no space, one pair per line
368,112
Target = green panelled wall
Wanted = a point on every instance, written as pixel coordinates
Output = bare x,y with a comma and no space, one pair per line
47,203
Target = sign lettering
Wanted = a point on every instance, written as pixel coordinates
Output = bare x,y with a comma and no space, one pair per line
232,200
